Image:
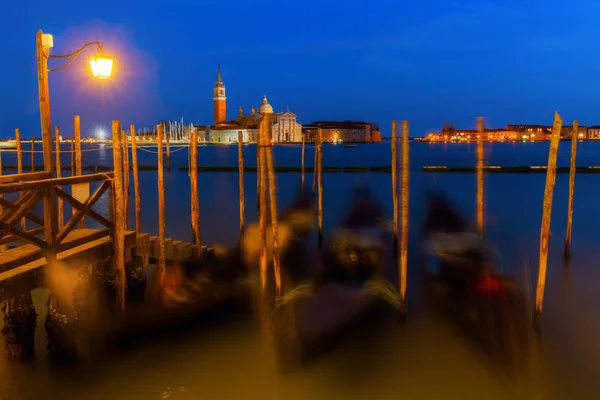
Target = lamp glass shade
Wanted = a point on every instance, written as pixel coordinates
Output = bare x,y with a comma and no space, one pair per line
101,66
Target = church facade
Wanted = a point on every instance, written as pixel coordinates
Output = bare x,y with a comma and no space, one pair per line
284,127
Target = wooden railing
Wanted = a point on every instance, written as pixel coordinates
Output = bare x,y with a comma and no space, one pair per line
45,188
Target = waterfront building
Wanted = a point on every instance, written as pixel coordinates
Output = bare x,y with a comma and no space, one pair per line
593,132
284,127
343,131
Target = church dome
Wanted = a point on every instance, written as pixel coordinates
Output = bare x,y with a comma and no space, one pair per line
265,107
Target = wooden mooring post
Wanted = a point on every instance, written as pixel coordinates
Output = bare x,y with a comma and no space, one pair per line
125,143
61,205
262,215
302,167
405,215
546,216
195,202
395,185
136,181
480,132
20,166
315,168
274,221
161,266
258,173
119,223
168,135
77,135
572,169
33,153
320,184
241,180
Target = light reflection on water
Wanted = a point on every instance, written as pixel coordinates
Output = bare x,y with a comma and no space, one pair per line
425,358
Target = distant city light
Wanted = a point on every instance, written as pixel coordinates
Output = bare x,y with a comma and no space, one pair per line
100,134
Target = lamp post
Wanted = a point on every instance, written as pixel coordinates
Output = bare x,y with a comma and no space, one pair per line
101,66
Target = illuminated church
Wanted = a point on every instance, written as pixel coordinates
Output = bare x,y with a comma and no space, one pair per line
284,128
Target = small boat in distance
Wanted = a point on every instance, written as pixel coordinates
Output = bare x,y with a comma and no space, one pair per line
349,146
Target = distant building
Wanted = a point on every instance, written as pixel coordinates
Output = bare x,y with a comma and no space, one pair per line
343,131
544,132
284,127
593,132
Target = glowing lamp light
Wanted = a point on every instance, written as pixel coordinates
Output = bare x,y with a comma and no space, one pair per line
102,66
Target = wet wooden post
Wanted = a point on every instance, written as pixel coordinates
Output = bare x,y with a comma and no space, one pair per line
480,132
274,221
125,145
119,223
262,215
168,135
320,184
315,167
196,233
395,183
546,216
77,135
161,266
61,205
302,167
72,157
3,247
572,169
136,181
33,153
258,172
405,214
20,166
241,180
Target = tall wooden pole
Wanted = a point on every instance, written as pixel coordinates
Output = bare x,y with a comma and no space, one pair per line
20,165
72,158
3,247
546,216
168,134
196,233
33,154
61,205
42,53
136,181
480,132
119,224
320,184
315,167
405,197
125,178
262,215
258,172
161,267
302,167
241,180
395,183
572,169
274,221
77,134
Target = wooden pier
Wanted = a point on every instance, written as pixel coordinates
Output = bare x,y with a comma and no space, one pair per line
23,267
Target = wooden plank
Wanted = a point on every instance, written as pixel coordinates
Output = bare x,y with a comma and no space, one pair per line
28,253
28,176
13,238
30,276
7,204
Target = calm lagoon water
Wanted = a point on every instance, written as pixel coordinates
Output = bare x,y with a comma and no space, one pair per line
425,358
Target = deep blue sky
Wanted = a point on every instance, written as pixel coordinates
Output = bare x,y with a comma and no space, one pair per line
512,61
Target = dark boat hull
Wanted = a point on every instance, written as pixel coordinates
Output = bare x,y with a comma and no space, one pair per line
311,326
463,287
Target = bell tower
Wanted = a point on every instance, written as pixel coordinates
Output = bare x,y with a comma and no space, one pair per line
219,99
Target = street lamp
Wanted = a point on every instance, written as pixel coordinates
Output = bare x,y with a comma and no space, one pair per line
100,64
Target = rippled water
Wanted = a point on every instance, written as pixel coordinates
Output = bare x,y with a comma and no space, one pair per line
424,358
